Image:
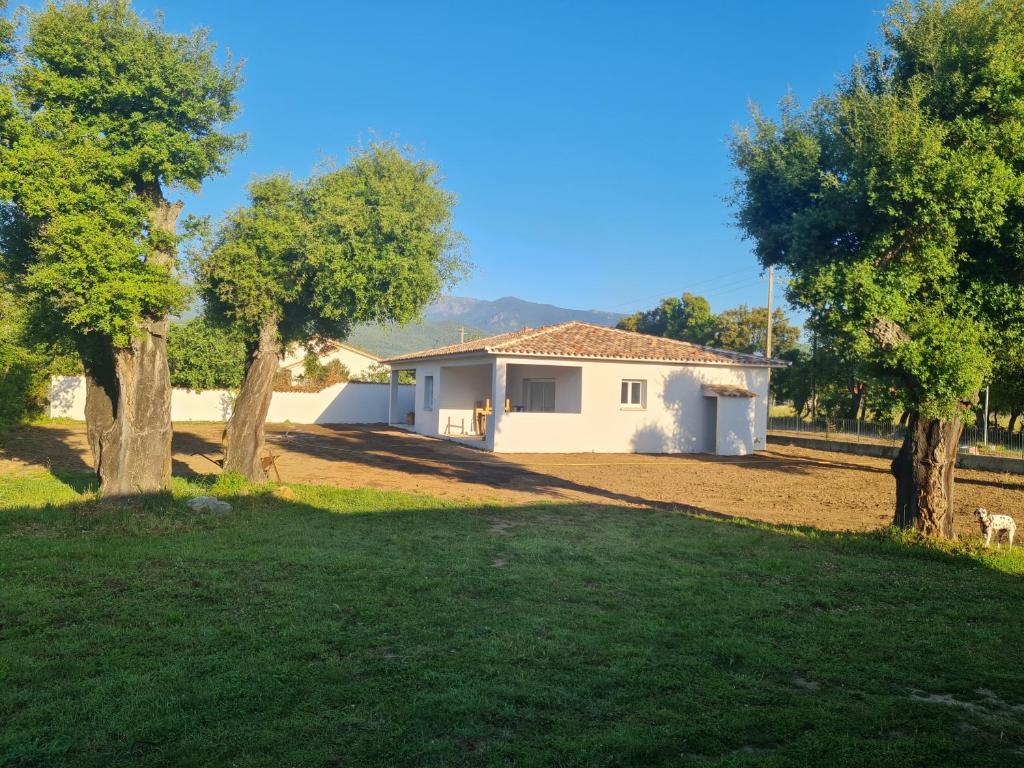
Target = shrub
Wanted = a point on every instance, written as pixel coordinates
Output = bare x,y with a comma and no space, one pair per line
381,374
203,356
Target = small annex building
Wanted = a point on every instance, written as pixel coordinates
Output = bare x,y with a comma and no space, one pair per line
576,387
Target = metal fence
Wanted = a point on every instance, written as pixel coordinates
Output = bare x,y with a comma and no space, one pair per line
856,431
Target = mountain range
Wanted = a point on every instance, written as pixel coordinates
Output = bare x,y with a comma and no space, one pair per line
444,320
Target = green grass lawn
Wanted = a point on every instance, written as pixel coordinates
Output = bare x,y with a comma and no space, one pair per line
360,628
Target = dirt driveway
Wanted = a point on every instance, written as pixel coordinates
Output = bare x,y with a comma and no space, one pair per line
782,485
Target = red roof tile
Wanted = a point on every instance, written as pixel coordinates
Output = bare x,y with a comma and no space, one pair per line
597,342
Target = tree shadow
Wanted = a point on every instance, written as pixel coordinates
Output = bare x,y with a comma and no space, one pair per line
412,455
191,444
395,450
389,449
493,635
57,448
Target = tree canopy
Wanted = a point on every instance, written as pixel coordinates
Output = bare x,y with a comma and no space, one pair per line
745,329
689,318
369,242
896,201
105,109
896,204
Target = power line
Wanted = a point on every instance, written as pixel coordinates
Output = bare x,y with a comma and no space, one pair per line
708,284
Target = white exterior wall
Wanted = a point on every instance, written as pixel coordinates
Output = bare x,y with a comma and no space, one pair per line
678,417
352,403
735,433
675,420
426,421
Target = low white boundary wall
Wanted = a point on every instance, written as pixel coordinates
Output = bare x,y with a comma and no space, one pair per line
351,403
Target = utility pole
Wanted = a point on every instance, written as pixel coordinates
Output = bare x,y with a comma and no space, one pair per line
768,341
771,286
814,376
462,335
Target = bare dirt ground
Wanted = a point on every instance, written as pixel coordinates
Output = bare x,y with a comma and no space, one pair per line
787,485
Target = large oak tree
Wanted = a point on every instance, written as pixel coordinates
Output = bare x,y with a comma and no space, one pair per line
104,113
896,203
369,242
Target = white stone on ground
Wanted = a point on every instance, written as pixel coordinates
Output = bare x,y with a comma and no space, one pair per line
208,504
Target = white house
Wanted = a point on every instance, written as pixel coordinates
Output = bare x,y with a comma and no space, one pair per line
359,362
576,387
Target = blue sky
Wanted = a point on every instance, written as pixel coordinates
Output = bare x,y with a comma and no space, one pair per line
586,141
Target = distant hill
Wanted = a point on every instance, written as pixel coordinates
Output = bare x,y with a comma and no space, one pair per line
444,318
510,314
390,340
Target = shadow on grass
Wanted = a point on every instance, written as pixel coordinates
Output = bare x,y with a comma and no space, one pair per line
77,481
367,628
53,446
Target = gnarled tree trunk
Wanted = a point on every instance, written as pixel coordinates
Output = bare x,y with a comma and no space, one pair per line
924,475
134,447
100,394
243,438
128,394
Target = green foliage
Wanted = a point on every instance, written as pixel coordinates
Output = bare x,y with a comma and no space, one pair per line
23,375
205,356
686,319
255,271
320,375
381,374
897,201
103,111
742,329
26,365
745,329
794,384
369,242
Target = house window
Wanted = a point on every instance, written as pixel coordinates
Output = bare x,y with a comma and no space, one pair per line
539,395
428,393
633,393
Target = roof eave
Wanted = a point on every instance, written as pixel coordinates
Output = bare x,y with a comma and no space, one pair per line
489,352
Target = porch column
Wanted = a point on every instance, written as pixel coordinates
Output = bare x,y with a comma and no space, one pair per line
498,373
393,416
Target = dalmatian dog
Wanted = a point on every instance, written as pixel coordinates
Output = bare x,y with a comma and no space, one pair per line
995,525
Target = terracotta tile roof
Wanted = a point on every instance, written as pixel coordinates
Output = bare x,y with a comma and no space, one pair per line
597,342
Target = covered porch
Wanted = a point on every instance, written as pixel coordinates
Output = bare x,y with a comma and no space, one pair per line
472,400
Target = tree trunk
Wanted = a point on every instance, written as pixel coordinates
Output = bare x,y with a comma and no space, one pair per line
1014,415
856,391
128,396
243,438
100,390
924,475
133,445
